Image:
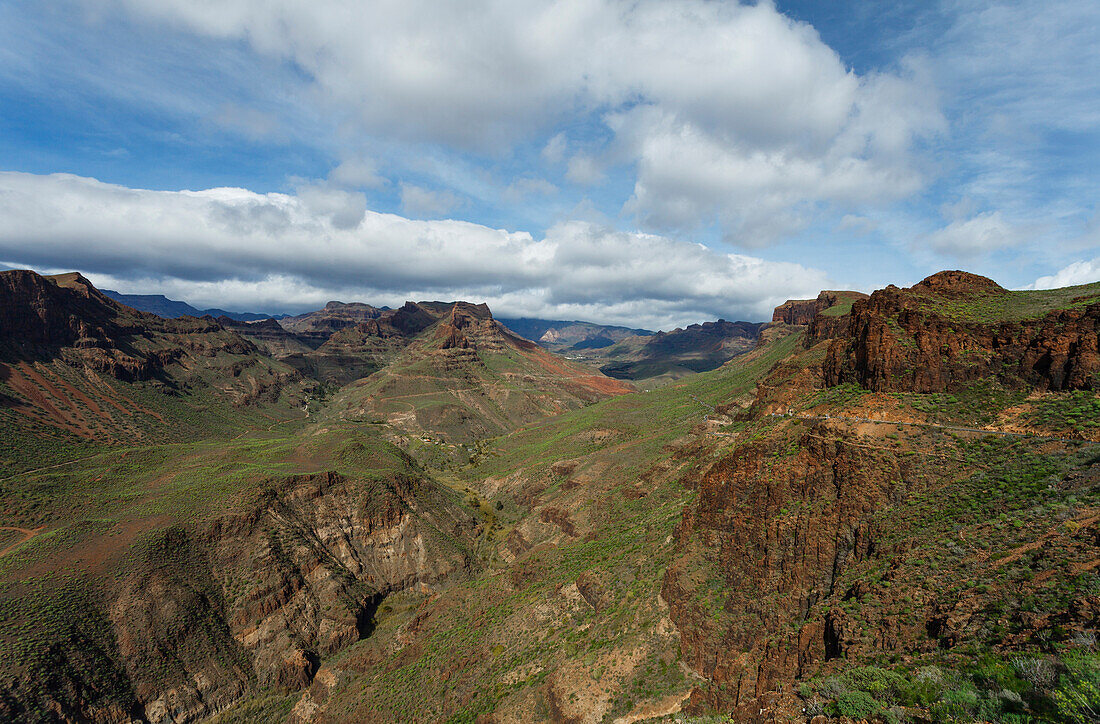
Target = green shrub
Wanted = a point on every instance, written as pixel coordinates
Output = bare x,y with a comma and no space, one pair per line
955,705
924,688
856,705
1078,694
882,684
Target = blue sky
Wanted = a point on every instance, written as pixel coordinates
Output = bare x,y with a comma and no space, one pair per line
652,163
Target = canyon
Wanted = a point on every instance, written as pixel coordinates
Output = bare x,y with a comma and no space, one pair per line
416,514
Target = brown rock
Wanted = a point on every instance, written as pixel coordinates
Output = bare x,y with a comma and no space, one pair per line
899,340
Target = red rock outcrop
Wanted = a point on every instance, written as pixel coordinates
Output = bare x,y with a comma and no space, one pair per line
803,311
916,340
781,530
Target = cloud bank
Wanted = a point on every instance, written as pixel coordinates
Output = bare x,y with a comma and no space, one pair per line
235,248
725,112
1079,272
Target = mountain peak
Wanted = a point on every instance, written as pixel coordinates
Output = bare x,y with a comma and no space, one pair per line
959,283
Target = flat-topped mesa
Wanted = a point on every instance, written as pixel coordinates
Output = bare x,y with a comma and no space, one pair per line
954,328
803,311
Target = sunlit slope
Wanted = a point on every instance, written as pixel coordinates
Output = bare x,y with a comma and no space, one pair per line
568,617
466,378
79,371
180,578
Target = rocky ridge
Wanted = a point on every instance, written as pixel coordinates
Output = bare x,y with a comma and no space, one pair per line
945,332
820,527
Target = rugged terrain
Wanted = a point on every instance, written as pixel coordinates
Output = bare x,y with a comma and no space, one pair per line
561,336
666,356
887,509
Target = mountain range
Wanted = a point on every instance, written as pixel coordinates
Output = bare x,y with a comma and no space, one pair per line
620,352
162,306
885,508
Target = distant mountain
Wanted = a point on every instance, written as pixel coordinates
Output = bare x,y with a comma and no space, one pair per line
696,348
162,306
334,317
559,335
448,369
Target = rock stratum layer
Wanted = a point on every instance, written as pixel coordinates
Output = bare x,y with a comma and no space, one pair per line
206,614
954,328
854,520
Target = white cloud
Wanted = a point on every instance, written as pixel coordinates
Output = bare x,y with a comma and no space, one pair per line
233,248
584,170
343,209
730,112
425,202
981,234
1079,272
526,187
360,173
762,187
859,225
554,150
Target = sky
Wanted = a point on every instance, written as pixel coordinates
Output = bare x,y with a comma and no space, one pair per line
652,163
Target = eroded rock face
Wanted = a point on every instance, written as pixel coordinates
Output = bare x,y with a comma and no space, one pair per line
795,311
39,314
782,531
321,554
901,340
256,599
803,311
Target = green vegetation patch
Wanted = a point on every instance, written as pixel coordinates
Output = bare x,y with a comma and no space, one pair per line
1077,411
1016,306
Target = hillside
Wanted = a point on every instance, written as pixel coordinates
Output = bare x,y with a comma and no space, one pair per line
672,355
77,370
558,335
805,547
864,517
466,377
175,540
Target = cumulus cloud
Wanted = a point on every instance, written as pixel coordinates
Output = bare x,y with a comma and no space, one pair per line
972,237
729,112
584,170
1079,272
232,247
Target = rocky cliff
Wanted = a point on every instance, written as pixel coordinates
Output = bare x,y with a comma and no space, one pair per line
254,599
954,328
803,311
65,347
847,538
